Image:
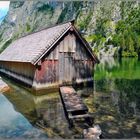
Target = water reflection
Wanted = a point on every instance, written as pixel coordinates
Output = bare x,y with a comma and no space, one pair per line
111,68
46,108
117,98
108,62
14,124
44,112
114,103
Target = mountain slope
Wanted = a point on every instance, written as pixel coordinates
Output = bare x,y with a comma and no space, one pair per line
28,16
97,20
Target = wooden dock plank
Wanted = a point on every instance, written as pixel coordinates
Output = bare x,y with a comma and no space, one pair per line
73,105
72,101
79,116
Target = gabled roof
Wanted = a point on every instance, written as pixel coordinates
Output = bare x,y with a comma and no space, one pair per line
33,47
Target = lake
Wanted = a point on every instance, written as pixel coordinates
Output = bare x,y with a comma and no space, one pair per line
117,97
114,103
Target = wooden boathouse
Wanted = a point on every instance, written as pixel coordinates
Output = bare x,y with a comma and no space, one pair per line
50,57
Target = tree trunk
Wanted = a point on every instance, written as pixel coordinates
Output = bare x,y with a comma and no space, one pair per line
139,56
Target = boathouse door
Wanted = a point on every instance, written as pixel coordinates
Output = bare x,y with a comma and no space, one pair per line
66,67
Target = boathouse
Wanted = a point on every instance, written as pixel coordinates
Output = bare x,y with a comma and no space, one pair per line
50,57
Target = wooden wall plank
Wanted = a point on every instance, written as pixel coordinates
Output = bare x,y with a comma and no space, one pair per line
61,46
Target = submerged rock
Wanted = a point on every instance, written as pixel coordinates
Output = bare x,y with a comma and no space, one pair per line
3,86
93,132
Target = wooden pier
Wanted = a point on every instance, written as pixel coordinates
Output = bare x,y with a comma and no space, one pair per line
73,105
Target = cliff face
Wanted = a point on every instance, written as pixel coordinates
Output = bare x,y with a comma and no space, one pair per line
91,18
28,16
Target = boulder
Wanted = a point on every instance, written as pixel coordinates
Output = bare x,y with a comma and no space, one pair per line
92,132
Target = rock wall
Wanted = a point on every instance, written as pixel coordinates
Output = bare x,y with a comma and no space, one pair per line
28,16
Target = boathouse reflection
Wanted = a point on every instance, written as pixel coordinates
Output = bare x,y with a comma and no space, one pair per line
44,111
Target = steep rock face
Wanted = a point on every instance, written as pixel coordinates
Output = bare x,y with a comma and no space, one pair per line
26,17
92,17
106,25
29,16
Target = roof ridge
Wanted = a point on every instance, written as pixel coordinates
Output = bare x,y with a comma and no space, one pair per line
52,41
71,22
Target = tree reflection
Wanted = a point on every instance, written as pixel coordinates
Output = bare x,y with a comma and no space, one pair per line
117,98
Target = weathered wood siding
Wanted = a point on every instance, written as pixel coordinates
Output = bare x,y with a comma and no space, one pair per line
69,61
20,71
48,72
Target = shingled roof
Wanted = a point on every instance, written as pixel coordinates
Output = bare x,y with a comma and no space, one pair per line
30,48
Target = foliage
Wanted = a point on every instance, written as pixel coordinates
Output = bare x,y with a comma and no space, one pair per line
28,28
102,26
126,34
7,43
62,16
85,22
1,37
46,8
92,38
128,54
68,11
77,5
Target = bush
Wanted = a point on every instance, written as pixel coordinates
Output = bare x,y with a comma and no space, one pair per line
129,54
28,28
91,38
